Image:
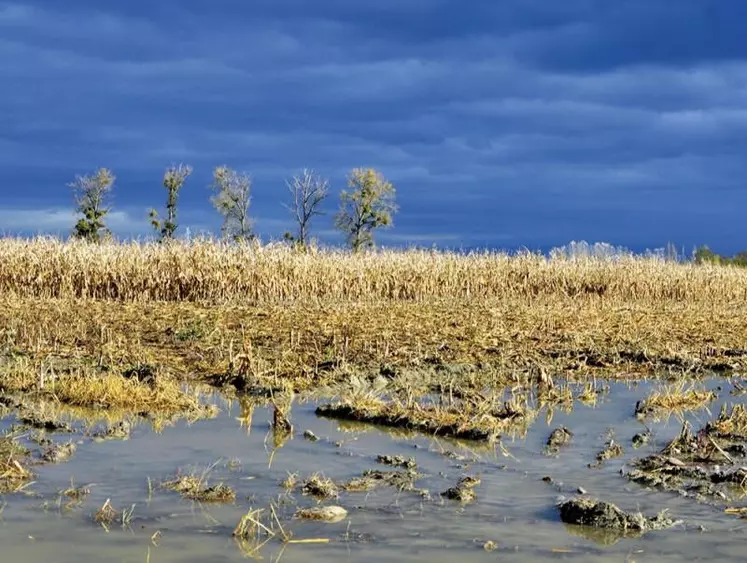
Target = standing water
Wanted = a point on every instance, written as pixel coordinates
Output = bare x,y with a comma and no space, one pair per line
513,517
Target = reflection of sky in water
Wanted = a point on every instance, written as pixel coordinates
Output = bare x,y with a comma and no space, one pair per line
515,508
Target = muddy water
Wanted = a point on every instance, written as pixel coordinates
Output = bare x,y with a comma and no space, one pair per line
514,506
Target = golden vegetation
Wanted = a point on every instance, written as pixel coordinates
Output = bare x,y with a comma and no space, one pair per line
730,423
676,397
252,273
195,486
125,326
482,419
13,457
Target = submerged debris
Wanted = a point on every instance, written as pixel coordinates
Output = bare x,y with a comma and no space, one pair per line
469,481
371,479
730,424
675,398
464,491
118,431
598,514
329,514
320,487
34,420
290,481
36,414
740,511
57,453
398,461
76,494
193,487
461,419
706,464
461,494
280,422
13,457
559,437
250,527
611,450
641,439
108,515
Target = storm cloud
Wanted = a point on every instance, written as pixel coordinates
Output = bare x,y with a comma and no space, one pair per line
502,124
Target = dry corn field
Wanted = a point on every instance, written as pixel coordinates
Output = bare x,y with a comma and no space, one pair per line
272,319
251,273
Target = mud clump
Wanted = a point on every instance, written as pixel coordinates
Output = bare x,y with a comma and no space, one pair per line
641,439
47,424
611,450
118,431
398,461
459,420
607,516
461,494
560,437
706,465
330,514
57,453
75,494
401,480
374,478
320,487
464,490
195,488
469,481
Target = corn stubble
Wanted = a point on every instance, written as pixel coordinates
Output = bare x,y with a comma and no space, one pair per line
125,325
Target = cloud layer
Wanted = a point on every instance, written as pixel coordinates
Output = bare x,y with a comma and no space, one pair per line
513,123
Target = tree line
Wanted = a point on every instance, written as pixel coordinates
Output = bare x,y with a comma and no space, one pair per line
704,255
367,204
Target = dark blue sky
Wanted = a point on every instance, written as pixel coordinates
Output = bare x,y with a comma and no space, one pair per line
501,123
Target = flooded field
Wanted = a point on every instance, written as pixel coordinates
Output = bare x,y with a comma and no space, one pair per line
509,512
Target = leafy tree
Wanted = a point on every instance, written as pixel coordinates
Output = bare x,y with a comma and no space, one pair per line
232,198
308,190
367,205
740,258
90,194
173,180
704,255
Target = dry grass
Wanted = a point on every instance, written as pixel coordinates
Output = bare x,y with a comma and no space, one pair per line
302,347
320,487
195,486
730,423
209,270
678,397
76,383
478,418
107,515
13,457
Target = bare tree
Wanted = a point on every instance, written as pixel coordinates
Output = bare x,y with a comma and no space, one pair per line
233,196
90,196
308,190
367,206
173,180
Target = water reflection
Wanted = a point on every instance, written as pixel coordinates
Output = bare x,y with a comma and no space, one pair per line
514,507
